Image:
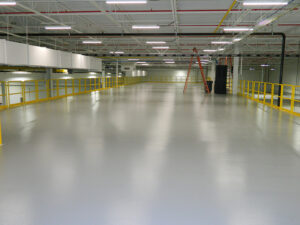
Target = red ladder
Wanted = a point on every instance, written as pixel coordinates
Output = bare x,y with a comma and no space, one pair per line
201,69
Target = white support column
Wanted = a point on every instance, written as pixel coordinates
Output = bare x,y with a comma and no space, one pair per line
212,73
235,82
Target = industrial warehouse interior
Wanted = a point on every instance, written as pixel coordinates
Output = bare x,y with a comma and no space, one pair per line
149,112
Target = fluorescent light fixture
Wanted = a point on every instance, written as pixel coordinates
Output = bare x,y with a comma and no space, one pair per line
20,72
209,50
237,29
145,64
141,62
161,47
266,21
145,27
92,77
108,76
117,52
221,42
7,3
252,69
168,59
66,77
126,2
58,27
221,49
251,3
92,73
133,59
91,42
237,39
272,69
155,42
264,65
170,62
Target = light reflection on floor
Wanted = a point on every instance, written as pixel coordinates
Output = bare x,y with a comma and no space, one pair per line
148,155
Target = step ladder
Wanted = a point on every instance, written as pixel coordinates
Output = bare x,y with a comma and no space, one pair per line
201,69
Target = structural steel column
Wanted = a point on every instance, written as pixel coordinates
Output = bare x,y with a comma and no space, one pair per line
235,81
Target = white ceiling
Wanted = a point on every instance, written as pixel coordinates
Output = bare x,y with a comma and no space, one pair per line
183,16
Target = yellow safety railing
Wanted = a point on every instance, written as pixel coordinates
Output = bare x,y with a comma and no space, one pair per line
16,93
267,94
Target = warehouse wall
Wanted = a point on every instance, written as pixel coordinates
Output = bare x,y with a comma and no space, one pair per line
174,74
291,73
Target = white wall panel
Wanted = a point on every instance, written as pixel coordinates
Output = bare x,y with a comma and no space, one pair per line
80,61
16,53
41,56
13,53
65,59
95,64
2,51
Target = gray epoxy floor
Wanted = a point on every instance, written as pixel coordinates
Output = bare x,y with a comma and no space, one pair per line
147,155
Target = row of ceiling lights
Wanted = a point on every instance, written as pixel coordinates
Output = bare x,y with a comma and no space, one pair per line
228,29
147,27
245,3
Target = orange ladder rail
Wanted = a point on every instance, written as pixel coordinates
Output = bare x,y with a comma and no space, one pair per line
201,69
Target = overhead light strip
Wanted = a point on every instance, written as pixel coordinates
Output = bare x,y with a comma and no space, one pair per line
145,27
91,42
249,3
58,27
237,29
221,42
126,2
161,47
7,3
155,42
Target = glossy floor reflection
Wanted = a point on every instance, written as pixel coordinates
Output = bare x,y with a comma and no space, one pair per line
147,155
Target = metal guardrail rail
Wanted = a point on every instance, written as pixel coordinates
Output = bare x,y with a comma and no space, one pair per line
17,93
266,93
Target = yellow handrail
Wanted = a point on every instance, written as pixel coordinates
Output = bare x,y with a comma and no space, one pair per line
264,93
18,93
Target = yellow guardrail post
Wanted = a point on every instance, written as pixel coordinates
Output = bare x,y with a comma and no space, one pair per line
253,87
281,95
248,88
57,88
293,98
272,95
258,92
265,92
